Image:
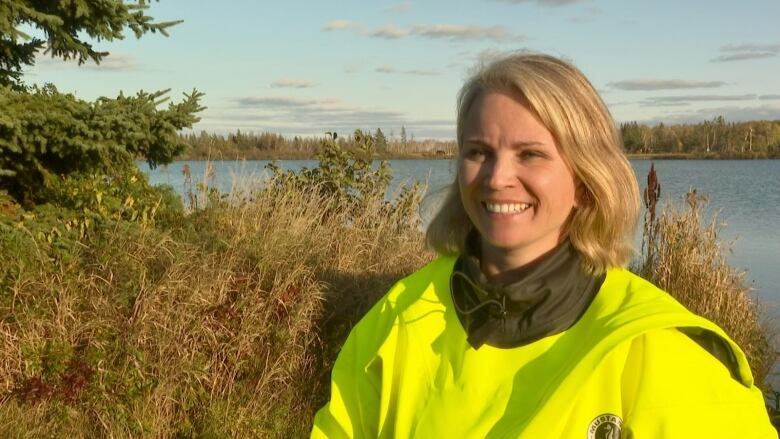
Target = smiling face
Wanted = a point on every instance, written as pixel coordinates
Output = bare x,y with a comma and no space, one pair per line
514,185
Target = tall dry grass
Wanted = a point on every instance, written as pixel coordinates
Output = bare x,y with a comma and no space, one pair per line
227,323
225,326
683,254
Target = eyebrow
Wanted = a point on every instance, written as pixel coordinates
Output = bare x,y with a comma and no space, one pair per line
520,144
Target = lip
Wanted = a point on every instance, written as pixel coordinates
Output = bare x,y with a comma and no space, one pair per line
505,201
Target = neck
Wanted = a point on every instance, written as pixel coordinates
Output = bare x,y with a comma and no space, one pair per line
497,263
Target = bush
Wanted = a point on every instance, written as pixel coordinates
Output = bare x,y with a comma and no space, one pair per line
46,135
348,177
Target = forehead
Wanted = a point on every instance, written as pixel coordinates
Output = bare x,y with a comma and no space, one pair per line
503,114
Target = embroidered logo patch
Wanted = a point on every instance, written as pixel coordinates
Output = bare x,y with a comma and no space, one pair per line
606,426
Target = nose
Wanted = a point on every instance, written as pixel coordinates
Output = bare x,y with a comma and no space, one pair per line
501,173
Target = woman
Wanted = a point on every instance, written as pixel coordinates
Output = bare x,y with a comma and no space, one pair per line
526,326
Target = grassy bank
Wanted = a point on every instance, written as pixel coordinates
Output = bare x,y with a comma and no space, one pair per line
219,323
224,322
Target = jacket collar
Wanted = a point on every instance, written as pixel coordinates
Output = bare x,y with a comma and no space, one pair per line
543,298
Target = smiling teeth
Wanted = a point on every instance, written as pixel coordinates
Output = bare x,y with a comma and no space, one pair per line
506,208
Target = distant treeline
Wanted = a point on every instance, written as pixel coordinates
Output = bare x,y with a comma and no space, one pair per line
265,146
714,138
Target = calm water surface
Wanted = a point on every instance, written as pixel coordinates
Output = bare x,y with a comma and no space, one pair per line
745,194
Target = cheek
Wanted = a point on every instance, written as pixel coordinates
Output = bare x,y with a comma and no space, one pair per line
463,193
467,175
569,191
561,189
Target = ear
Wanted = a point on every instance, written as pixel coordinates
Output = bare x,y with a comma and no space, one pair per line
581,195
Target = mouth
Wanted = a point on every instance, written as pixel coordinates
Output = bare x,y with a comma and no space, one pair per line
505,208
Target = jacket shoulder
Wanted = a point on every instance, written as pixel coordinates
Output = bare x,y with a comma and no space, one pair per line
636,307
676,388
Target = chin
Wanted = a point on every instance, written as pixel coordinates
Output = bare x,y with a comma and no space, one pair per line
506,243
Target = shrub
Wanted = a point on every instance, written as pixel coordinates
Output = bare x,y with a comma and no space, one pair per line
348,177
46,135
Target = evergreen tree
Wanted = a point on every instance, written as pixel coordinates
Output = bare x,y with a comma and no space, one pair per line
403,135
632,136
65,24
380,141
47,136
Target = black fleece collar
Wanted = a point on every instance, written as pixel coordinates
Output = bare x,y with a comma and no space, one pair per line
545,297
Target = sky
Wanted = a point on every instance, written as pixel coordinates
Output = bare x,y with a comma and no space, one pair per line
306,67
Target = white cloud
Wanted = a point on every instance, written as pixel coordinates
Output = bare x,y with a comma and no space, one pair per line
741,52
389,31
455,32
114,62
284,102
420,72
590,15
730,113
294,116
663,84
451,32
399,8
769,97
292,83
546,3
743,56
339,25
416,72
748,47
668,100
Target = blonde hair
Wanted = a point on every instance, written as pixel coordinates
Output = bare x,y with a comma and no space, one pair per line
601,227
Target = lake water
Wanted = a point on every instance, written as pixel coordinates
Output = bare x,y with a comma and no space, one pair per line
744,193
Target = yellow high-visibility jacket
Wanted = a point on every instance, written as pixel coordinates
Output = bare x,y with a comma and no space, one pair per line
622,370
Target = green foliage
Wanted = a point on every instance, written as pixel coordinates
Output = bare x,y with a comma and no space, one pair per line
349,176
78,208
380,140
346,174
46,135
65,24
97,198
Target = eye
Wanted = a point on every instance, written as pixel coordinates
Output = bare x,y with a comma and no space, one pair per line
529,154
474,153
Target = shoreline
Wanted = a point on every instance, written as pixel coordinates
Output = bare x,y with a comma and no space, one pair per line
657,156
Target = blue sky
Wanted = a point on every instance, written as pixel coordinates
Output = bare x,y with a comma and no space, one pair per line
306,67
